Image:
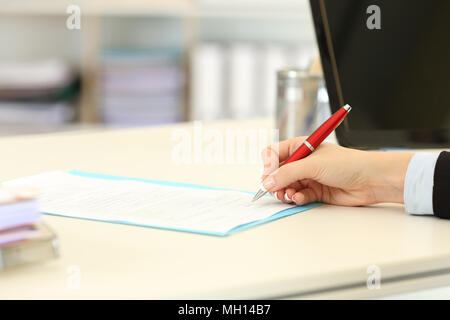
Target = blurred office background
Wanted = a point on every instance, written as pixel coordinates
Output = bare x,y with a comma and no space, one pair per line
145,62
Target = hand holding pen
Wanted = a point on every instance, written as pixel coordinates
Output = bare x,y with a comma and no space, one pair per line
334,174
310,144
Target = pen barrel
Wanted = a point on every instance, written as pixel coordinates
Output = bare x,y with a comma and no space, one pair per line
302,152
317,137
321,133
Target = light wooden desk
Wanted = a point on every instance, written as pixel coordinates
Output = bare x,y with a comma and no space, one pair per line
322,253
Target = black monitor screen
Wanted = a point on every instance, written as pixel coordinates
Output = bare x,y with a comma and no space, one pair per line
393,62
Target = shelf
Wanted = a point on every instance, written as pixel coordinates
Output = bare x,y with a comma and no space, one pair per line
180,8
193,15
98,7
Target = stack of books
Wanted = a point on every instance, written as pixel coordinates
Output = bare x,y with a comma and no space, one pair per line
23,237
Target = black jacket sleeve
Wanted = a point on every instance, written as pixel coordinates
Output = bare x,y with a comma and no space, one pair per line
441,187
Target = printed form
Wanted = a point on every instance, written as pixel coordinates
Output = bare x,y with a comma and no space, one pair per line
149,203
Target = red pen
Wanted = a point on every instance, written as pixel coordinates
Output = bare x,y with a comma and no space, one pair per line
313,141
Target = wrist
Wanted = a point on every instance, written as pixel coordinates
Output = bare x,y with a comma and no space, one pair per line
389,179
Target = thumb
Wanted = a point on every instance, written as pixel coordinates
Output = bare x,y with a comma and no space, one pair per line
289,173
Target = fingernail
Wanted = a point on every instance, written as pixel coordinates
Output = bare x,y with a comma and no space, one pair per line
269,170
266,171
274,172
269,182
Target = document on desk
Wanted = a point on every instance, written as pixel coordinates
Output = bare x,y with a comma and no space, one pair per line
152,203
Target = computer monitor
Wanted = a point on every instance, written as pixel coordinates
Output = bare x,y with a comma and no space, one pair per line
390,60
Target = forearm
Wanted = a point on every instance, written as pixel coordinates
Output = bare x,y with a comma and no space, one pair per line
388,177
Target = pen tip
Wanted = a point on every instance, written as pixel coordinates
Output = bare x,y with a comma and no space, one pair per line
258,195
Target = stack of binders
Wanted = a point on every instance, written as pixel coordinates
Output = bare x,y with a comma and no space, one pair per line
23,237
142,88
37,94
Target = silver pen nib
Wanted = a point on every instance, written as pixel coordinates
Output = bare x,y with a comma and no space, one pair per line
259,194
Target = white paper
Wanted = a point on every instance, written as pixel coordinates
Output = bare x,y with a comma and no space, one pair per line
173,207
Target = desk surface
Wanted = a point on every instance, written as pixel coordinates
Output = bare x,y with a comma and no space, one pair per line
323,252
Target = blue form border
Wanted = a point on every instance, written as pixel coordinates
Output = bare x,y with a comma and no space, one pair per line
276,216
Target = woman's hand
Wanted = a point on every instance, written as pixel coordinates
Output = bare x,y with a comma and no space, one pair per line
334,175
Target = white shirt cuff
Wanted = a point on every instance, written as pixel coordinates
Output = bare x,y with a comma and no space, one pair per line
418,193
